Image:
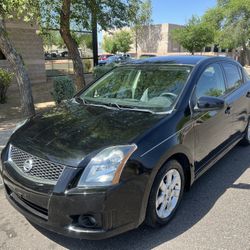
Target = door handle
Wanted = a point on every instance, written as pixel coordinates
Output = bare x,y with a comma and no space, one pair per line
228,110
248,94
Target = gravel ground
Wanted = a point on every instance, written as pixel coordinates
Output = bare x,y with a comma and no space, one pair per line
6,129
215,214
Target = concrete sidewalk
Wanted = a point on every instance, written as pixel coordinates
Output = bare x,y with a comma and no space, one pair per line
6,129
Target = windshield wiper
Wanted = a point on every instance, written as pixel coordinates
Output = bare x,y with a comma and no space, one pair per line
79,100
132,108
82,100
113,105
141,110
108,105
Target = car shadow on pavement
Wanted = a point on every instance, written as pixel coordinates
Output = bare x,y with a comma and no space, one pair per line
195,205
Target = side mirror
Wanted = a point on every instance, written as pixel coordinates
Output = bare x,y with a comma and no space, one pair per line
209,103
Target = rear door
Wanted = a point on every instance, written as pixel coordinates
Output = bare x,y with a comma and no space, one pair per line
238,96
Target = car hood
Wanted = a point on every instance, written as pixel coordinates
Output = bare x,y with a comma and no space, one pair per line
70,131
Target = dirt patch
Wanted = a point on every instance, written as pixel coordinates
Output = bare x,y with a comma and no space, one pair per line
42,99
11,110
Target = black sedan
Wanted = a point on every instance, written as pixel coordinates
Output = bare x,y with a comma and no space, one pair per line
124,149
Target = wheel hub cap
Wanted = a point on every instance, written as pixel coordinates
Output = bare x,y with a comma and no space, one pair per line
168,193
248,132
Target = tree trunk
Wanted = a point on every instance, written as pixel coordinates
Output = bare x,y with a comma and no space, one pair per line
16,62
71,44
94,37
245,54
136,43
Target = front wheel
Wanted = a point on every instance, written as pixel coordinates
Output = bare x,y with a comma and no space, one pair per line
246,140
166,194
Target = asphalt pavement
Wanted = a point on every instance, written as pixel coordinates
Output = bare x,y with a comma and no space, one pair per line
214,214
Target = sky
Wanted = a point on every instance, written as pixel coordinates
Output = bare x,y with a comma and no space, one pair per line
178,11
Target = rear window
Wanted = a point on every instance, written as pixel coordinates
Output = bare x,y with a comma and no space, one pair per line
233,75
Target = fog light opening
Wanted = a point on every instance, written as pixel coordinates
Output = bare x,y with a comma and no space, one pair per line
87,221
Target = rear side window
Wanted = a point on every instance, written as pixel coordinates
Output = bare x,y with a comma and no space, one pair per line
211,82
233,76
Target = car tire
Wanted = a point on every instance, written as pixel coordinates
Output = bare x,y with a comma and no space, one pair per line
1,182
246,140
169,191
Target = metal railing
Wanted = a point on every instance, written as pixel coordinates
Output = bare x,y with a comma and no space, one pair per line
64,66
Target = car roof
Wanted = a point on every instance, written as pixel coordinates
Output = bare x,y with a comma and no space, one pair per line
189,60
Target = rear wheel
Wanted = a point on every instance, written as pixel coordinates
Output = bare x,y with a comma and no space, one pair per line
166,194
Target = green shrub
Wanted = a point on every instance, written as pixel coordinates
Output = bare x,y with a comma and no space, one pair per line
101,70
5,81
64,88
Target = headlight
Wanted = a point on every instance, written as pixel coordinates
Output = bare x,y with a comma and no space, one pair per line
19,125
106,167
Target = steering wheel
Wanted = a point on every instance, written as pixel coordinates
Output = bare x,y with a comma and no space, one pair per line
171,95
168,93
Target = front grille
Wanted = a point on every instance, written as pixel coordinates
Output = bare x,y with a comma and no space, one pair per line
41,169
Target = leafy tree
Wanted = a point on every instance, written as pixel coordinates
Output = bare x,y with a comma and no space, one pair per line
82,14
109,44
123,40
17,9
120,41
194,36
212,19
51,38
84,40
140,15
230,20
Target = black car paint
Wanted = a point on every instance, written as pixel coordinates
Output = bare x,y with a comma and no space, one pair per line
73,132
68,133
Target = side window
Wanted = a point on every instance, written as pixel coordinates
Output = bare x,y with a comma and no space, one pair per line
246,76
211,82
233,76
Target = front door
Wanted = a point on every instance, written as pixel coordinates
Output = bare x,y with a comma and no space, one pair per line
212,129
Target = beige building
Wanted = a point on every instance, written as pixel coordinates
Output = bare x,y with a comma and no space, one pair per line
29,45
156,39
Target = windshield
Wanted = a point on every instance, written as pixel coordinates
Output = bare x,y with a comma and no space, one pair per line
152,88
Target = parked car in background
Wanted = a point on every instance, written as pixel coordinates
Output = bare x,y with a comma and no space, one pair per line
114,59
51,55
64,53
104,57
47,55
124,149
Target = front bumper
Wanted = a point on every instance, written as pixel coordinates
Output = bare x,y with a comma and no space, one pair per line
61,222
116,209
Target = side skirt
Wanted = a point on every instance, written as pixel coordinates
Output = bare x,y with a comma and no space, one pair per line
223,152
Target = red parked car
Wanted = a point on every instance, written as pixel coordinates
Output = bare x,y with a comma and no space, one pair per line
104,57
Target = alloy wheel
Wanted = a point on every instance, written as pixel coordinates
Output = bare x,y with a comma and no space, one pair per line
168,193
